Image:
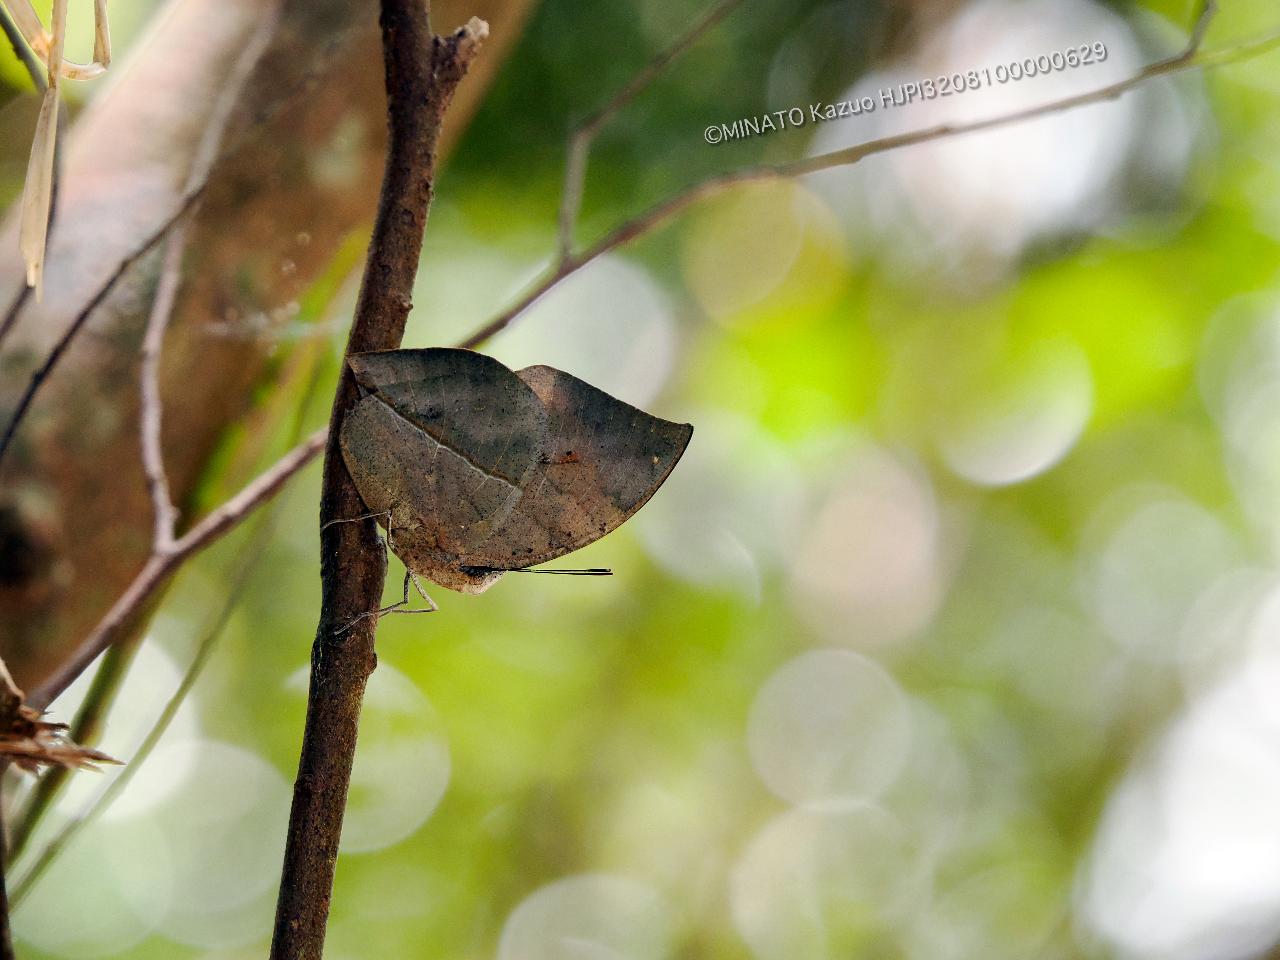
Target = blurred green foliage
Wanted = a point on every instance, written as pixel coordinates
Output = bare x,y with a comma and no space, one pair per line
974,527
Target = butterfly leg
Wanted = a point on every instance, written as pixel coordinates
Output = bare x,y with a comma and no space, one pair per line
374,515
363,516
411,577
388,548
377,514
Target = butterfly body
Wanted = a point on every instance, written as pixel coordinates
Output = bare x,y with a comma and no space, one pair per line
480,469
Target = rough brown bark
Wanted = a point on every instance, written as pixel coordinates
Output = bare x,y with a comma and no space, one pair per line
422,72
300,177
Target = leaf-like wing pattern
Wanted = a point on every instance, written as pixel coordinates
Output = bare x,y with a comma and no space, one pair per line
483,470
602,461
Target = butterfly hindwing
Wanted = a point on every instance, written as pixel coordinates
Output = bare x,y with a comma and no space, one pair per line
445,444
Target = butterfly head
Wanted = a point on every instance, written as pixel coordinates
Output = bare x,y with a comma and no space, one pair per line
472,580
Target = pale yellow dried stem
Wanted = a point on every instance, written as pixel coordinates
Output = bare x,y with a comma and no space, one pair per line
101,48
41,40
48,46
28,21
38,192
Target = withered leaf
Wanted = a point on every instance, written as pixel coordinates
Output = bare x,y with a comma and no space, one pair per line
482,470
31,742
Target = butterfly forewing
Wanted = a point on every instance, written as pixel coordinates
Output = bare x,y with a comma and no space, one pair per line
468,402
602,460
445,454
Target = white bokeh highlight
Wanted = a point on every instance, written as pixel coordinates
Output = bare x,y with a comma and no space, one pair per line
588,917
402,766
729,514
830,729
149,683
971,205
609,324
1156,560
807,875
108,892
1009,911
225,832
1186,862
763,239
1239,379
869,569
1021,424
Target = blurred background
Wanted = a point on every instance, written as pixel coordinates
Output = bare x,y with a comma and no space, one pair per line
956,634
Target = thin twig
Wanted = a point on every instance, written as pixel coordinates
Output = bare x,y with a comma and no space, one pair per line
35,69
246,569
1239,52
1190,57
6,936
159,568
165,525
15,310
422,73
106,680
38,378
1208,10
579,150
39,77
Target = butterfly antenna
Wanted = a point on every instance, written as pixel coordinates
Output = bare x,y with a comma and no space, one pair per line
591,572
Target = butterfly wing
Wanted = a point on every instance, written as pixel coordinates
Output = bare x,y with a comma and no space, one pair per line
446,440
602,459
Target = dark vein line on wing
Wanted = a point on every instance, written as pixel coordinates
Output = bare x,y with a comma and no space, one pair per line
440,443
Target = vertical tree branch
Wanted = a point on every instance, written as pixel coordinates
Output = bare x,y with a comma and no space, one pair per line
422,73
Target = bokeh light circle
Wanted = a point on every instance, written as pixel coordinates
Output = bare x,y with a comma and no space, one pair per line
829,729
402,765
588,917
812,884
728,515
869,568
610,325
225,829
1017,419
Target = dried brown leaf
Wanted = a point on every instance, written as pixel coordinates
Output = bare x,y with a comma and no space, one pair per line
31,742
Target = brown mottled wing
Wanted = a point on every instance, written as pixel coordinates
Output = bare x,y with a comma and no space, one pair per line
447,440
466,401
603,459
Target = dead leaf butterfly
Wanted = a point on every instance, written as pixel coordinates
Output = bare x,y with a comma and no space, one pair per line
477,470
